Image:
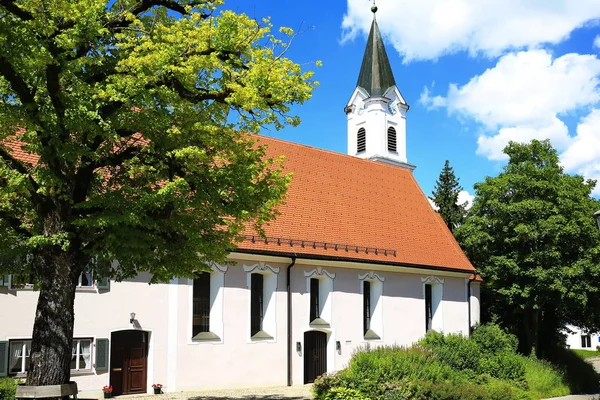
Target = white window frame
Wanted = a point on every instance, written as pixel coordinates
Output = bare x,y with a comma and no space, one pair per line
78,354
217,293
437,302
91,280
376,302
27,355
325,292
270,278
24,356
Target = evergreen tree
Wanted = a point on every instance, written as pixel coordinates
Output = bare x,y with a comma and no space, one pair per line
445,197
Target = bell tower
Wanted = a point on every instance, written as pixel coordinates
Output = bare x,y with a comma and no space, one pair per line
377,111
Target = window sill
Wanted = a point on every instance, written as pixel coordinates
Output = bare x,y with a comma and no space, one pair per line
370,335
206,337
319,322
261,335
79,372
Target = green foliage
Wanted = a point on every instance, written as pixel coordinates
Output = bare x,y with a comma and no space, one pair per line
479,355
137,117
8,387
341,393
484,367
544,380
445,197
532,235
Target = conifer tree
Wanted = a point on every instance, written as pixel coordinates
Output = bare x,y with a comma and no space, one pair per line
445,197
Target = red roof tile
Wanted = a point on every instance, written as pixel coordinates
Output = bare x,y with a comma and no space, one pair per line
335,199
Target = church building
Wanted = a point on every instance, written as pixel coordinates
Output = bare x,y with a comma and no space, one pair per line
357,257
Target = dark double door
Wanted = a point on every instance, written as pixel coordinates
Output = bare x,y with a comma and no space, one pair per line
129,362
315,355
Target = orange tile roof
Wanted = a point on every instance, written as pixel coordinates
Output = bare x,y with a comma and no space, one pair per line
358,205
345,207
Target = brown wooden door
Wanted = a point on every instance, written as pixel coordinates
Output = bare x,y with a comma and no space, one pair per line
315,355
128,362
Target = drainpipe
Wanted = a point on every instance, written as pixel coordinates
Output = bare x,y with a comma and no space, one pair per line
289,323
475,274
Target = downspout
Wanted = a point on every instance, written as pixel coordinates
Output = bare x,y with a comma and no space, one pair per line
289,322
475,274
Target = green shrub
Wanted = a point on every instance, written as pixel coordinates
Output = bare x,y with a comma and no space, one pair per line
493,339
341,393
8,387
476,356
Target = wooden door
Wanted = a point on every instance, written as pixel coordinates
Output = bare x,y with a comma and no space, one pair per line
129,362
315,355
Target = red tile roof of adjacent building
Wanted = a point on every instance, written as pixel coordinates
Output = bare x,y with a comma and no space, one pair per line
346,207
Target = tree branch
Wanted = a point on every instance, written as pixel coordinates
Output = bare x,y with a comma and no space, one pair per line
17,83
14,223
14,9
53,86
146,5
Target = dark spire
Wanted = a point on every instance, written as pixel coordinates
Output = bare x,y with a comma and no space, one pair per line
375,73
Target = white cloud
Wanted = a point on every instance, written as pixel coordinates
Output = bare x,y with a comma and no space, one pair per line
597,42
464,196
527,88
432,204
583,155
429,29
524,97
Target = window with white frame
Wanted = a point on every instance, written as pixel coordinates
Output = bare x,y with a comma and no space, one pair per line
319,286
18,356
207,305
81,355
433,294
586,341
20,353
372,305
262,285
85,280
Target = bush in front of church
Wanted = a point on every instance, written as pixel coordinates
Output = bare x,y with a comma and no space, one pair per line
484,366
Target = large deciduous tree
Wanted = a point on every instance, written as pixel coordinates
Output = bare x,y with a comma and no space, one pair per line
532,234
124,144
445,197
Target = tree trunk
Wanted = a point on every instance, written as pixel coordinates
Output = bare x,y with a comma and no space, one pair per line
53,327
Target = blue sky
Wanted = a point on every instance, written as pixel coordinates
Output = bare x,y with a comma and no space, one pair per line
476,75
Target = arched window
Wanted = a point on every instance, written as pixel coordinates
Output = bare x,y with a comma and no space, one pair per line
361,140
391,139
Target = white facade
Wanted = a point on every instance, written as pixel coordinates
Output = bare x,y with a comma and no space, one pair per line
580,339
234,359
376,115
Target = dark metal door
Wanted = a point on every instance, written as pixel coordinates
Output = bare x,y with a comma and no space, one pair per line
315,355
128,362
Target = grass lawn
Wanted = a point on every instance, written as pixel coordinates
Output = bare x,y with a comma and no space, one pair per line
586,353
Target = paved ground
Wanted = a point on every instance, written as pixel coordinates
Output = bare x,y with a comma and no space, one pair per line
268,393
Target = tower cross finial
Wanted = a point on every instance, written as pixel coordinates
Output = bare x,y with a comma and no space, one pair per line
374,7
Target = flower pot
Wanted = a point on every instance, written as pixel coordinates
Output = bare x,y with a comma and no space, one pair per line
107,395
157,390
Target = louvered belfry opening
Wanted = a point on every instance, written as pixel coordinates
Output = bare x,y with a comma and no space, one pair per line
361,140
392,139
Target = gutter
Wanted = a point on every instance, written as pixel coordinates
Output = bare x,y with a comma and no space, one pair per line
475,274
350,259
289,321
